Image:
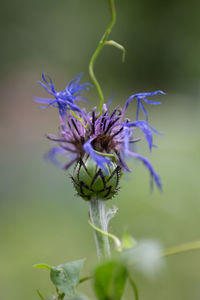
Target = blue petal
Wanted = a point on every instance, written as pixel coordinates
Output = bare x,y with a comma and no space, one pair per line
46,88
142,96
49,83
144,110
149,166
152,102
75,81
101,161
50,103
138,109
74,107
146,129
126,139
51,155
42,100
43,77
65,99
147,94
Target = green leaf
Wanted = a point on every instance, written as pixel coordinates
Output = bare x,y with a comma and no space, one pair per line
66,276
128,241
42,266
109,280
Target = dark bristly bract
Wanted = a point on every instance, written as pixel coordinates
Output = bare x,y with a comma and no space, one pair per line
102,138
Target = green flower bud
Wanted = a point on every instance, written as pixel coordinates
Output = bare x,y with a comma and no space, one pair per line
92,182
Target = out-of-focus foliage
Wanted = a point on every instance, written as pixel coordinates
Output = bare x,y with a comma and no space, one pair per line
110,280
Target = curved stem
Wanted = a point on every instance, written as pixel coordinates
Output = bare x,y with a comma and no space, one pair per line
134,286
85,279
112,156
183,248
115,239
98,219
78,118
98,49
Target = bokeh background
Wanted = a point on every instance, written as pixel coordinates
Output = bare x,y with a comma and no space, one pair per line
40,218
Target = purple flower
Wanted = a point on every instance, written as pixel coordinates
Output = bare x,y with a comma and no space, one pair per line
103,137
65,99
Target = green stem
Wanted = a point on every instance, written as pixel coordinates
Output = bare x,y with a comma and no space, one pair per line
112,156
78,118
183,248
115,239
134,286
98,219
96,53
85,279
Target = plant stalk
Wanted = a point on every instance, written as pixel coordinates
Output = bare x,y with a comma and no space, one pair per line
96,53
97,211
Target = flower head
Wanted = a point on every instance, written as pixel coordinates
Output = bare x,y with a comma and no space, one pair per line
105,139
97,143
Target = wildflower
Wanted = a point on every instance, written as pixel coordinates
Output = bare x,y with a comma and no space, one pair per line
97,144
65,99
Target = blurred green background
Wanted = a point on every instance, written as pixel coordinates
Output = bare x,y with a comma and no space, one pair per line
40,218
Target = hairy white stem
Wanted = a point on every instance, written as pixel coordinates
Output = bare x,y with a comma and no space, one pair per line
99,219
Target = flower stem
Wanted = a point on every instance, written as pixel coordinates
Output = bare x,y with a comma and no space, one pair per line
182,248
96,53
99,219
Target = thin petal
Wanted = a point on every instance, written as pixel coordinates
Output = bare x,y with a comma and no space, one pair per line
126,139
74,82
145,128
152,102
148,94
49,82
138,109
144,111
149,166
101,161
139,97
42,100
51,155
46,88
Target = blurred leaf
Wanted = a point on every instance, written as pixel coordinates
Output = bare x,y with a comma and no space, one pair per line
66,276
110,280
145,257
42,266
128,241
